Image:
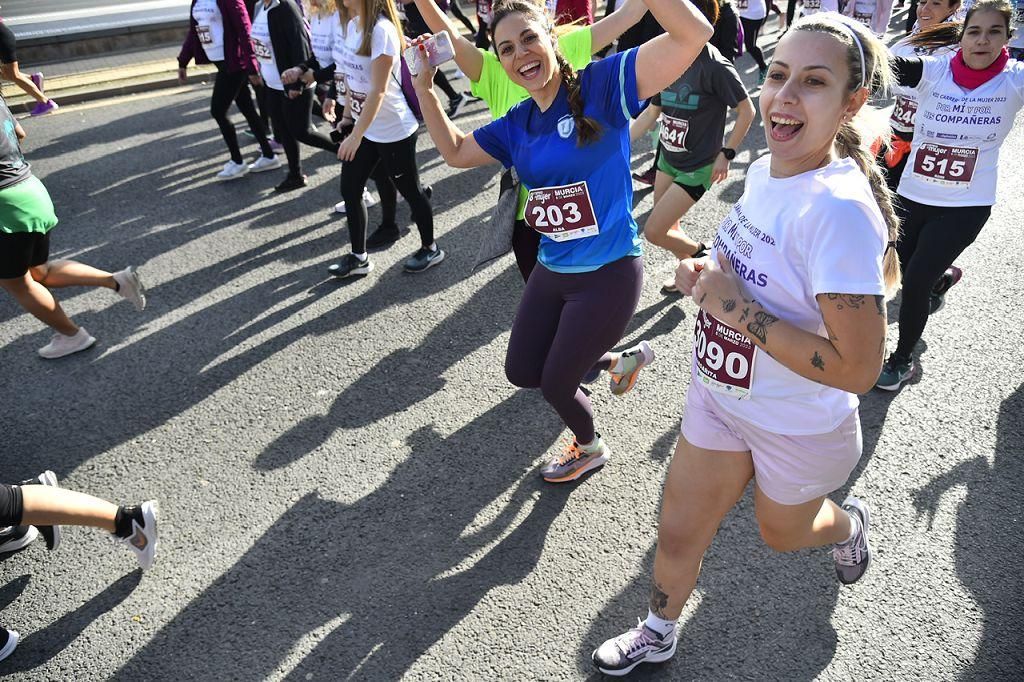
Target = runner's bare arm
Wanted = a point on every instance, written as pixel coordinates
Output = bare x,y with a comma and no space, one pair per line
380,70
744,118
644,122
662,60
849,358
467,56
615,24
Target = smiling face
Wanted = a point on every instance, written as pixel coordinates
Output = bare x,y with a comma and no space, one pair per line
525,51
804,100
985,35
932,12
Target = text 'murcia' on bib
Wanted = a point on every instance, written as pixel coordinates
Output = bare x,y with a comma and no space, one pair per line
724,357
673,133
562,213
946,165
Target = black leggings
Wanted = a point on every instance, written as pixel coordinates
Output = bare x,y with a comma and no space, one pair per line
790,12
933,236
567,324
11,505
398,161
751,29
482,40
228,87
293,123
457,13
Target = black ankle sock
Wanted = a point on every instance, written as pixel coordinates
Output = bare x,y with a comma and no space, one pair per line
123,520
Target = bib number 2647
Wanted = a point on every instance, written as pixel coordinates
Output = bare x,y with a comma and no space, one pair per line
562,213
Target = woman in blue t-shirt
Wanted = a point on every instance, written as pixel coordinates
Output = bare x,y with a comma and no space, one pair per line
569,144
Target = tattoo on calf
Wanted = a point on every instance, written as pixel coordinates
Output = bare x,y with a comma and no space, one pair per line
728,304
818,362
758,328
842,301
880,303
658,600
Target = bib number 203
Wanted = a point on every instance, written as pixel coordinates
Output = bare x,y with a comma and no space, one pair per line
555,216
562,213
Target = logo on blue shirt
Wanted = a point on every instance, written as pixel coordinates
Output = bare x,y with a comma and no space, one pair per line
566,126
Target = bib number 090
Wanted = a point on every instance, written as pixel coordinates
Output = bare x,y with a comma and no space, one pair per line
714,357
552,215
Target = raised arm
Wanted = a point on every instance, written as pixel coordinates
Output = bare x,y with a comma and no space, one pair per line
662,60
615,24
467,56
457,149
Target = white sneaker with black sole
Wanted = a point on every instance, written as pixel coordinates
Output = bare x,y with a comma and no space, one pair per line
61,345
233,171
350,266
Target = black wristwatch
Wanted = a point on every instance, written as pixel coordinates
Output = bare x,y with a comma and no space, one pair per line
728,153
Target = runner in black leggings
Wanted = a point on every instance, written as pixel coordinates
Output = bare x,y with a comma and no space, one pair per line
218,33
753,14
281,42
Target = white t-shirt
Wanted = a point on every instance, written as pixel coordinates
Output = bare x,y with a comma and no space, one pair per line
395,120
751,9
954,158
864,11
904,111
814,6
827,237
264,48
322,31
210,28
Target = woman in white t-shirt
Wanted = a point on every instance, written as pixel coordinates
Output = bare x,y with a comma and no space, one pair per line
383,133
875,14
966,107
753,14
791,328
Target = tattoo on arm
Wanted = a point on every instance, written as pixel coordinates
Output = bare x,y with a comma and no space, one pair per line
658,600
880,303
758,328
854,301
701,301
818,362
745,315
728,304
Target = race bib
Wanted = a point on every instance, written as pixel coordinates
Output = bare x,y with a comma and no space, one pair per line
562,213
205,35
862,18
724,357
812,5
673,133
356,100
742,4
339,82
944,165
903,114
261,50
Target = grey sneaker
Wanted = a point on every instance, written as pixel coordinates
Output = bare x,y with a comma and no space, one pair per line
574,462
143,540
130,287
61,345
620,384
17,538
619,655
424,259
8,642
853,558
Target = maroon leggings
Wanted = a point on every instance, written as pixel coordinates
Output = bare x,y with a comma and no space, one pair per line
565,325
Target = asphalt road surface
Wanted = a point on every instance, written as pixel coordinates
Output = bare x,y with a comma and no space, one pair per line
349,485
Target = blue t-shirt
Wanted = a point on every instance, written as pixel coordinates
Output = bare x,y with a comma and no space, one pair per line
590,180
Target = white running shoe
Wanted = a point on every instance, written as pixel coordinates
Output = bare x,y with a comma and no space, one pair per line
130,287
265,163
61,345
8,642
143,540
368,200
233,171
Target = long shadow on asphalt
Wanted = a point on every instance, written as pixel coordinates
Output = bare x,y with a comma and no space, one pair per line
41,646
987,545
761,615
366,588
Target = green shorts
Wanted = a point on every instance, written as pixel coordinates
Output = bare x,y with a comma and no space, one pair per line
695,182
26,207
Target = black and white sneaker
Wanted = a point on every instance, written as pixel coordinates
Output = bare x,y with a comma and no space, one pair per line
52,534
424,259
143,540
619,655
16,538
456,105
350,266
8,642
854,556
384,235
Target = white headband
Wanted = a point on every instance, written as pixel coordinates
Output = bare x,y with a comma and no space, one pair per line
860,49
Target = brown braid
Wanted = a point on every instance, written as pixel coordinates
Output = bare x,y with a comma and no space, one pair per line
587,129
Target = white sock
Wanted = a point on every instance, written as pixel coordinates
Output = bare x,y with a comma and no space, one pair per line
665,628
361,256
854,528
592,446
432,247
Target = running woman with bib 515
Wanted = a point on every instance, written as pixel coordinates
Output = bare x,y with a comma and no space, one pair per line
967,107
791,328
570,145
